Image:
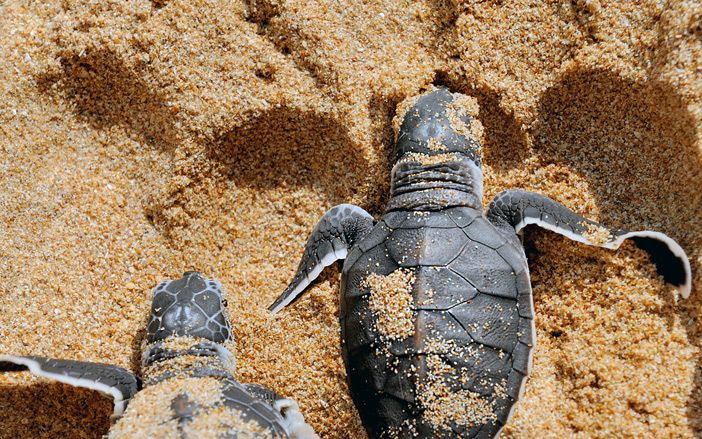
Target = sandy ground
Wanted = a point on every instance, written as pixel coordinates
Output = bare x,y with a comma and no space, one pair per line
142,139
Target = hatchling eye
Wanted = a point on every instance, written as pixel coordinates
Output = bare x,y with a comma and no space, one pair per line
225,303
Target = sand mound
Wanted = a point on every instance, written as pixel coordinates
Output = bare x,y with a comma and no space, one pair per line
141,139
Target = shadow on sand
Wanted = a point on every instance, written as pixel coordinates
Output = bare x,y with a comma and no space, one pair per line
284,147
105,92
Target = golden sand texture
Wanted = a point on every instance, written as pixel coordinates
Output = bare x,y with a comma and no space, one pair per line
142,139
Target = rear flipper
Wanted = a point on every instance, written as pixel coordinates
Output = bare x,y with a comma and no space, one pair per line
109,380
519,208
294,422
330,241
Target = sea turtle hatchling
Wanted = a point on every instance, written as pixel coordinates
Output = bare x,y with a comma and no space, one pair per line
189,389
436,316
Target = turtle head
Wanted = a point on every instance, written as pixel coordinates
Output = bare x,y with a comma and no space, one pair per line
437,153
192,306
188,331
438,122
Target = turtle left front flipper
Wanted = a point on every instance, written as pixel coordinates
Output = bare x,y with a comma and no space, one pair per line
109,380
517,209
336,232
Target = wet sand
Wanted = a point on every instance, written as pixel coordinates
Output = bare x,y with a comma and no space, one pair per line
139,140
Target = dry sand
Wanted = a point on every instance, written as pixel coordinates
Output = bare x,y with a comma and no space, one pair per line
142,139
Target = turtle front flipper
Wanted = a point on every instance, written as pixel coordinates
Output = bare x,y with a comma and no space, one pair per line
107,379
518,209
330,241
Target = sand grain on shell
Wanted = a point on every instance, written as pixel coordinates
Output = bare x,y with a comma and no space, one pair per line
151,414
435,145
142,139
401,112
391,303
224,420
444,406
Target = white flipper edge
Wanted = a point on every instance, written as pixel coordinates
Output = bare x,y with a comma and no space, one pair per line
338,229
685,288
35,368
326,261
290,297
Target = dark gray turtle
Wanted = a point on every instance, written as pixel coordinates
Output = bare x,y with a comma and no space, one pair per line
437,318
189,389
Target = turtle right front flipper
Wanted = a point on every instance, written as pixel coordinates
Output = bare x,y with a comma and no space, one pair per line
107,379
330,241
519,208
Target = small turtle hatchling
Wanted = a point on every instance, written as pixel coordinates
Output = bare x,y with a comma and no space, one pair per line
437,318
189,389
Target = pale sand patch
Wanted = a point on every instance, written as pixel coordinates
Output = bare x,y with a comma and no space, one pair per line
597,235
391,302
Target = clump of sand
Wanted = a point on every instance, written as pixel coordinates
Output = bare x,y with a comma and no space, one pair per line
390,301
595,234
142,139
154,413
